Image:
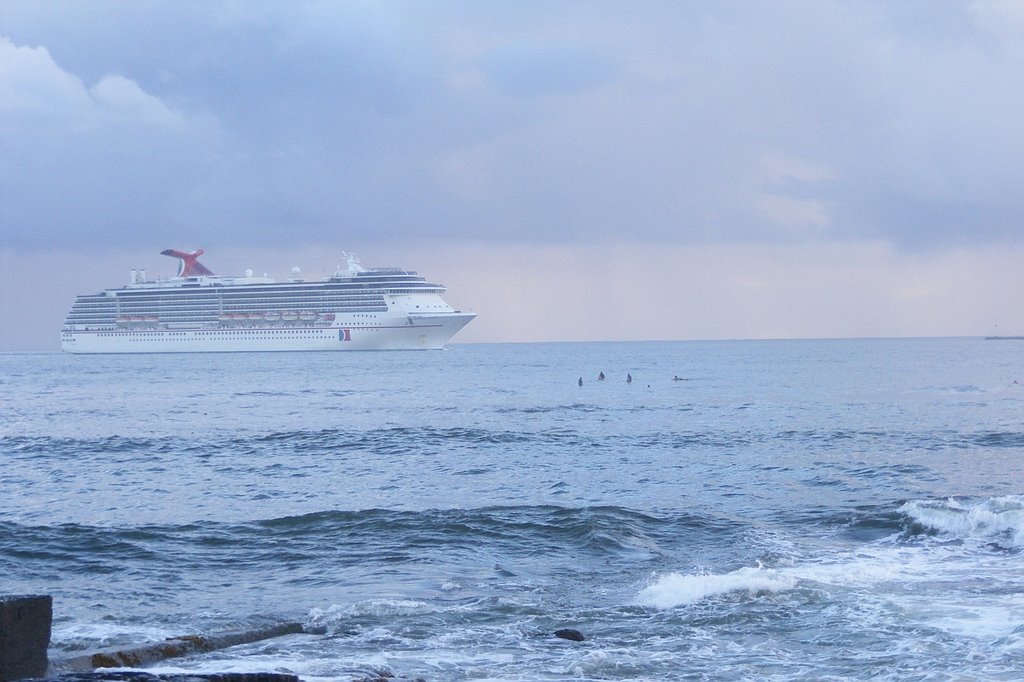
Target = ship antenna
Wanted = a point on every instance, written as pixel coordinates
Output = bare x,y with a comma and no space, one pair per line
353,262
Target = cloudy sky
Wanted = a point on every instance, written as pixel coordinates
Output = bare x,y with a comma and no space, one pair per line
571,170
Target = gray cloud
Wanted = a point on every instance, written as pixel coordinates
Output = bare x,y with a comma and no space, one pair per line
530,69
239,123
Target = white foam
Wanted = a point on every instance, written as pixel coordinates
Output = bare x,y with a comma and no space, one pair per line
371,607
868,567
615,663
998,519
978,620
676,589
84,635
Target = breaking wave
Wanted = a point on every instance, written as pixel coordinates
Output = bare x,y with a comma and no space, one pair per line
998,520
676,589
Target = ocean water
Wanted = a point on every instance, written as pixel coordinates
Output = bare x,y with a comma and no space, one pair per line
849,509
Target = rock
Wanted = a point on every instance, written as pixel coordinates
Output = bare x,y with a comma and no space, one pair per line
170,648
569,633
24,635
142,676
385,675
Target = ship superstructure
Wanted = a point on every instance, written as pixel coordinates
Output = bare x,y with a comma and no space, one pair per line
197,311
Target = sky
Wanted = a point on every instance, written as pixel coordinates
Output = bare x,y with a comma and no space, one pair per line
572,171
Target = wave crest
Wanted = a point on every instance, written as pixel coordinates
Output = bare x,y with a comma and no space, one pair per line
998,519
676,589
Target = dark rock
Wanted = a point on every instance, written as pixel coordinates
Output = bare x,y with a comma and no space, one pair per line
170,648
25,623
569,633
139,676
376,675
385,675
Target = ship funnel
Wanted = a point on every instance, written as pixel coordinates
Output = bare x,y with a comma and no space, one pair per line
133,276
188,265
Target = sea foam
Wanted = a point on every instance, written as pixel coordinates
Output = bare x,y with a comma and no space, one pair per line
998,519
867,567
676,589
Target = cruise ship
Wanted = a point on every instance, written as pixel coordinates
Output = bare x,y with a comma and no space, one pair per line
197,311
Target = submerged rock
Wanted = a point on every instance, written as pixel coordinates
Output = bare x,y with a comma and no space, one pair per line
569,633
385,675
140,676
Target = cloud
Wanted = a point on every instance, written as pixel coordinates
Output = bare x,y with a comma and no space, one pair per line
1002,19
35,92
89,165
530,69
120,99
691,123
794,213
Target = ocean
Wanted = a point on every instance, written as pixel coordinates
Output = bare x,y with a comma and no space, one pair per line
785,510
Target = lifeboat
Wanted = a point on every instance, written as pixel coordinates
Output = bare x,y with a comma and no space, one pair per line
327,317
225,318
123,320
307,316
272,316
239,318
289,316
255,316
151,319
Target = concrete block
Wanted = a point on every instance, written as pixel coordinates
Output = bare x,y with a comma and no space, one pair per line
25,622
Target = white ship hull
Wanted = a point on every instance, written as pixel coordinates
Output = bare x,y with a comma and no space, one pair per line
406,333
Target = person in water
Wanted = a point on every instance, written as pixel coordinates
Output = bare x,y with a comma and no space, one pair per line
600,376
629,378
581,382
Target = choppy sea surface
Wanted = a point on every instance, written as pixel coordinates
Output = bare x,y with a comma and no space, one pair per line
848,509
